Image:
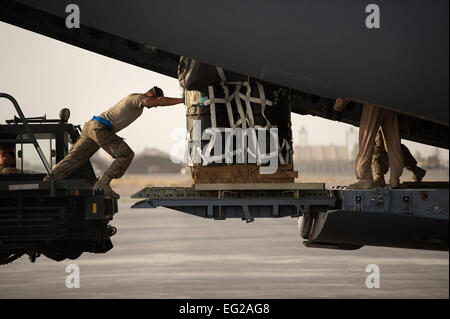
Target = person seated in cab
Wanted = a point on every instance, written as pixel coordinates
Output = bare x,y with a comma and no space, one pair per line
8,159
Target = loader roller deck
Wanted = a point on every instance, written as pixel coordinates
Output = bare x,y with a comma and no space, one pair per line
342,218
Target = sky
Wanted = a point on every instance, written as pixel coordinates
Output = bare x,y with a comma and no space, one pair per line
45,75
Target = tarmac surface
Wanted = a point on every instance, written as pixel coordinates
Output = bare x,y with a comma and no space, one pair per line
160,253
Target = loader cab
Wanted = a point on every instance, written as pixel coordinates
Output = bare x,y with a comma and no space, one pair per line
59,219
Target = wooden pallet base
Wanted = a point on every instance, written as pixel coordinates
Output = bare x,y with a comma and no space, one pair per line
242,173
259,186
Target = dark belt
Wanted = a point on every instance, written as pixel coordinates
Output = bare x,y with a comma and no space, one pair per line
103,121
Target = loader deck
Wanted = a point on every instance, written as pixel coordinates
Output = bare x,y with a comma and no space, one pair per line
336,218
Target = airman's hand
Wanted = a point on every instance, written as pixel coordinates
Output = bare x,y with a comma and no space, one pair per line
340,104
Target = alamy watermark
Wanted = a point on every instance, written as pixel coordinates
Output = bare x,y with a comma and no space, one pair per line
227,146
373,279
373,19
73,279
73,17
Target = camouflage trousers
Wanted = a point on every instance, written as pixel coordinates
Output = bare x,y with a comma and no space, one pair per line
380,161
93,136
372,118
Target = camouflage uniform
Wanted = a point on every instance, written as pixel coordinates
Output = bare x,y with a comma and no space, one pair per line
93,136
380,161
372,118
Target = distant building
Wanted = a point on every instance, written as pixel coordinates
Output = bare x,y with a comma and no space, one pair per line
150,161
153,161
302,136
351,142
323,158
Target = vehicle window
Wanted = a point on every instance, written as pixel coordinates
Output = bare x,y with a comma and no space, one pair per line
28,160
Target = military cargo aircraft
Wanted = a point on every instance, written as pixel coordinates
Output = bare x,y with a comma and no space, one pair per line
392,53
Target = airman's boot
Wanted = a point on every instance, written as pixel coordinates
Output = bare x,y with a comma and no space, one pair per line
379,181
418,174
103,183
362,184
395,183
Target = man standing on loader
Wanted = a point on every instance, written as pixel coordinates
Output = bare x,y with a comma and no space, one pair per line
379,129
101,131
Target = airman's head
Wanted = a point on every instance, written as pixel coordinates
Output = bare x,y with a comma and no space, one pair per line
7,155
155,92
